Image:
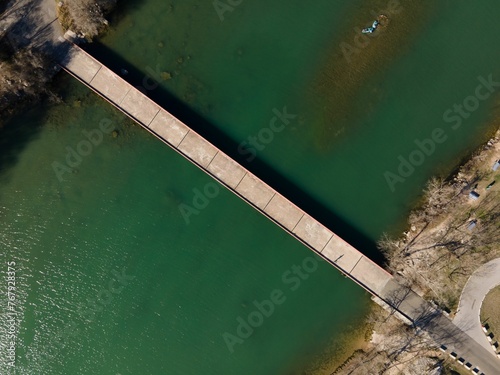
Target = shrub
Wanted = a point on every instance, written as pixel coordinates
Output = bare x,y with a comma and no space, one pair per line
86,17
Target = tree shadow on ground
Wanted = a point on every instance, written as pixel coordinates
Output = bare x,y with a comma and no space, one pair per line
22,115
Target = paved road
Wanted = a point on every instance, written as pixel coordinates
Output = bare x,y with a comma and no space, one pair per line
479,284
440,328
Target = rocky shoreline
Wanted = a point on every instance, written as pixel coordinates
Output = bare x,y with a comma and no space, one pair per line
438,242
26,70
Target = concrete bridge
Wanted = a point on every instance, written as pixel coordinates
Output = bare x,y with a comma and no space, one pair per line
317,237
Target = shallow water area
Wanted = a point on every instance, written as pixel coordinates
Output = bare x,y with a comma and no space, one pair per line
355,115
112,278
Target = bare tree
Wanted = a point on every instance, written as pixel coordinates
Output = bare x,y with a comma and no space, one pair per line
23,77
86,17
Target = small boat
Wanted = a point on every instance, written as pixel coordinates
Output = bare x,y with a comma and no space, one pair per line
372,28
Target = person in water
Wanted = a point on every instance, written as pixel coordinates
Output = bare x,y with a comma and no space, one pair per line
375,25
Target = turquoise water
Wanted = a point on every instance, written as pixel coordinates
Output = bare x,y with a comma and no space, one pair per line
118,209
185,285
232,74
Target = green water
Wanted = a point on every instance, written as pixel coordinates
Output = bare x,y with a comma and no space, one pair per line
263,56
118,208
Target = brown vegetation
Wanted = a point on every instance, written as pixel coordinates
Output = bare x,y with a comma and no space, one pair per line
24,76
353,339
395,348
436,256
440,250
25,72
85,17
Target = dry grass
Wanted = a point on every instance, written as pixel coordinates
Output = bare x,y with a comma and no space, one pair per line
455,369
64,17
85,17
490,313
394,349
438,253
24,77
343,348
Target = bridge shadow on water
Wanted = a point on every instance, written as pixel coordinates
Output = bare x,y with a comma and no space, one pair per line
228,145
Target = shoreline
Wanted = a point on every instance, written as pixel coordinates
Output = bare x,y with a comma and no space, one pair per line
485,154
18,54
440,224
342,350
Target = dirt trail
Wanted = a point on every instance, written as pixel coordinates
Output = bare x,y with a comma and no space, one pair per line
31,22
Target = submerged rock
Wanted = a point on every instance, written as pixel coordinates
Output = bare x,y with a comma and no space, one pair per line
165,76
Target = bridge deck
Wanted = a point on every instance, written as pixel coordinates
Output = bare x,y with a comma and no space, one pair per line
269,202
221,167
